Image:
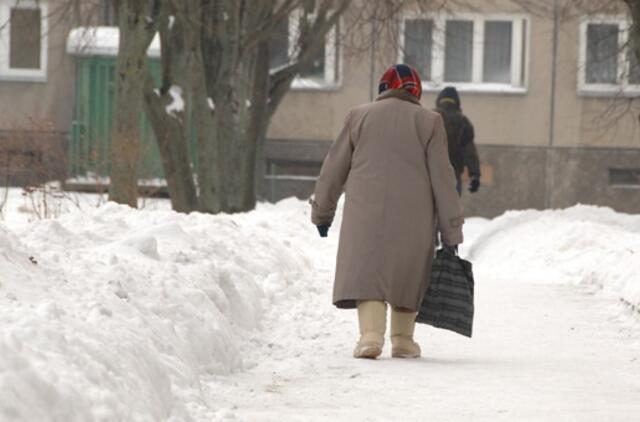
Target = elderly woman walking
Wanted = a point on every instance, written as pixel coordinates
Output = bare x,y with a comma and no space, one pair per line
391,160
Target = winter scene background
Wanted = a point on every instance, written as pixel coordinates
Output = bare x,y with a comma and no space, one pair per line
157,256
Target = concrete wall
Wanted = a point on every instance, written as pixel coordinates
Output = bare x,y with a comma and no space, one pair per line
514,177
47,103
581,175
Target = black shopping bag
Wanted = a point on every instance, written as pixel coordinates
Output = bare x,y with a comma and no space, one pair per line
448,303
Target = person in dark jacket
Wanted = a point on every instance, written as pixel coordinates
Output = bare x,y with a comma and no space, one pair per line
460,135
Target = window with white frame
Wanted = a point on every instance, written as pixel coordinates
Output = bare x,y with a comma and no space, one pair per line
323,71
607,64
471,51
23,40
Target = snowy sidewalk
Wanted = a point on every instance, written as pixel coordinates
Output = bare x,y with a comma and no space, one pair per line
113,314
540,352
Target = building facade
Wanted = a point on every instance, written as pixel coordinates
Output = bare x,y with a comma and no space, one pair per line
550,93
554,126
36,92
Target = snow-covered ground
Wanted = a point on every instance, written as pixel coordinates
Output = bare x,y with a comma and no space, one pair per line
111,314
583,245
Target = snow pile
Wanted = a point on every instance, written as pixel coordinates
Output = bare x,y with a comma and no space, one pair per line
579,245
177,103
14,262
116,314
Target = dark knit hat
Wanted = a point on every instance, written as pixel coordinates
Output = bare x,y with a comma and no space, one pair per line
401,76
449,94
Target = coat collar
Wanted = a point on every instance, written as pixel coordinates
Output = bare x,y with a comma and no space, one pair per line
400,94
448,104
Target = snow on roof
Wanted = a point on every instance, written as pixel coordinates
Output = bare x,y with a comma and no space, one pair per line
101,41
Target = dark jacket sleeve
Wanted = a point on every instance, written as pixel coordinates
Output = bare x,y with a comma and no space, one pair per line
333,176
469,151
443,183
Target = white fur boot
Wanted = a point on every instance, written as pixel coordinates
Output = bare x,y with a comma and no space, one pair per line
402,328
372,318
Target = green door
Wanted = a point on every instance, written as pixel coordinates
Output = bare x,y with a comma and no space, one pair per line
90,132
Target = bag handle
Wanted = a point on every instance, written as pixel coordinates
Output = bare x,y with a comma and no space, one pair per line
450,250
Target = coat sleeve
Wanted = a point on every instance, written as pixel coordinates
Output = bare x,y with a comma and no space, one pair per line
469,151
443,183
333,176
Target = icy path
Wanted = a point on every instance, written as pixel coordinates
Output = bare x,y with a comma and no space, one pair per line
540,353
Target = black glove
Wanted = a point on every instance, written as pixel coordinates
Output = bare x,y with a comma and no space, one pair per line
474,185
323,230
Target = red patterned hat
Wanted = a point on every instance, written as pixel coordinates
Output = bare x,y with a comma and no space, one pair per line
401,76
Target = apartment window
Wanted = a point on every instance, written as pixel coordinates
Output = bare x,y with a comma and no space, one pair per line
324,69
23,40
474,52
607,64
498,39
458,51
602,54
418,45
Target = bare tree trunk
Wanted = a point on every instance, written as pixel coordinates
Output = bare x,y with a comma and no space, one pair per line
183,67
238,77
219,54
209,154
173,129
256,129
136,32
232,124
209,166
228,77
172,136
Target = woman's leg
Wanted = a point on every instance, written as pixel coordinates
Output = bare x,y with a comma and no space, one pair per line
372,318
403,322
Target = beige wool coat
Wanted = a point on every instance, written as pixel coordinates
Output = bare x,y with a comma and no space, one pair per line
391,160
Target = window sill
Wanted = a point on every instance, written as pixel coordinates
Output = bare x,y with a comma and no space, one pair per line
314,85
629,187
477,88
22,78
288,177
608,91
